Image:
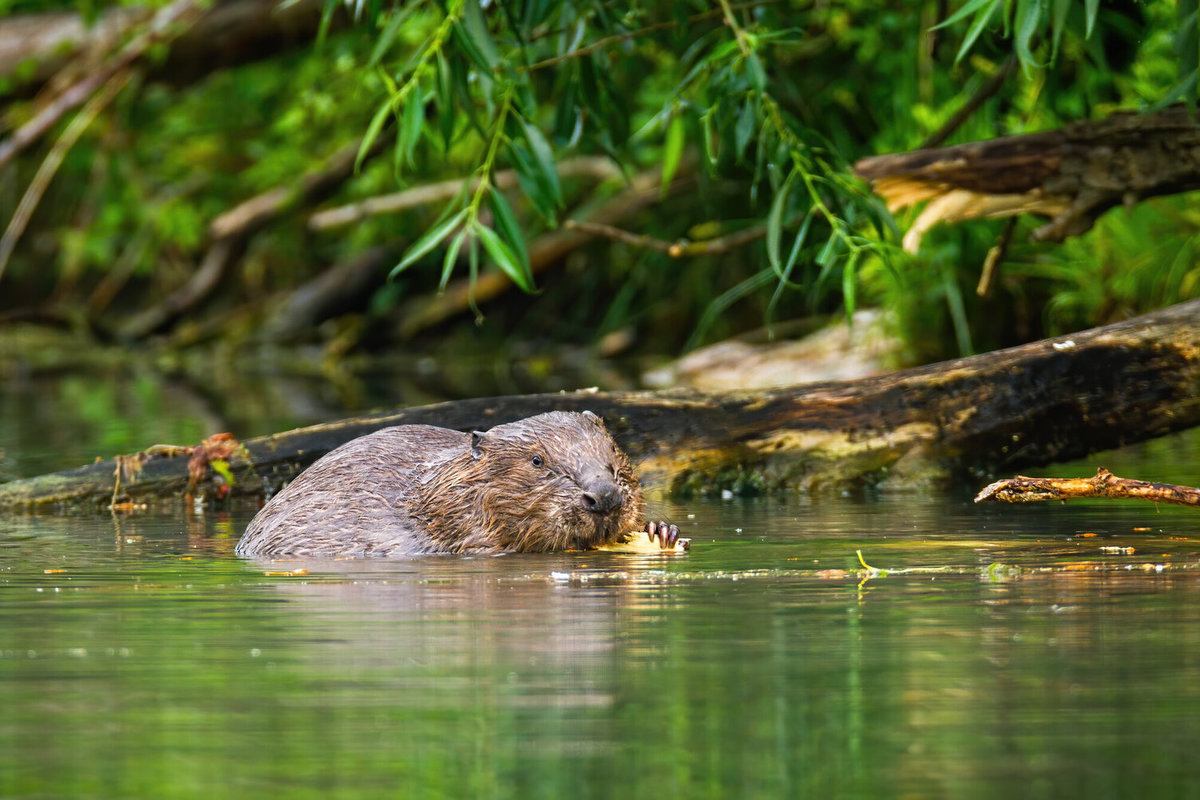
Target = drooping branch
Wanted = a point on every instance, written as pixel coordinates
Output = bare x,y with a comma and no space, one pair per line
1022,489
1051,400
230,233
53,160
985,92
643,191
1072,175
598,167
164,25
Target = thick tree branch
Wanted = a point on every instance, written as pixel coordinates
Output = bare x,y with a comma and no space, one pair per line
1072,175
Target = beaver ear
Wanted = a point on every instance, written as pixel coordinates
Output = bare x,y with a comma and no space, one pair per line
594,418
476,443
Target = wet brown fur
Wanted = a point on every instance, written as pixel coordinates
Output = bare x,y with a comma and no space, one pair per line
421,489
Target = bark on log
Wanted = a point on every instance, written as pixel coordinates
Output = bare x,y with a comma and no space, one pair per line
1050,400
1072,175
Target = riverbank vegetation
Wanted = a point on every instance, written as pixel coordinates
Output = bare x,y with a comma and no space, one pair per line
637,179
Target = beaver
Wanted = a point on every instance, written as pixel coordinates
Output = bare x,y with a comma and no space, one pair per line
555,481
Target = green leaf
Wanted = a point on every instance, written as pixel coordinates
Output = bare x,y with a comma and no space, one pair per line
711,147
973,33
758,75
798,245
723,301
475,31
958,311
850,284
411,123
221,467
775,225
327,12
672,150
388,36
506,222
373,131
1091,9
744,129
427,242
1058,23
1029,14
504,257
444,92
528,177
451,259
544,156
965,11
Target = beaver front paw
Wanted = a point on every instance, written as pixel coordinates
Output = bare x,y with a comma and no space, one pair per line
666,534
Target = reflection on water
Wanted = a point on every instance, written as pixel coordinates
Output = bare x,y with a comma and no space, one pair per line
156,663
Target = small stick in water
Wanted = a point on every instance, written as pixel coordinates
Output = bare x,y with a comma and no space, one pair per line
1022,489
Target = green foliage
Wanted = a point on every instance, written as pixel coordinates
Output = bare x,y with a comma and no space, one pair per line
754,108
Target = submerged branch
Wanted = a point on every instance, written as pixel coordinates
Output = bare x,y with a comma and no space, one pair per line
1022,489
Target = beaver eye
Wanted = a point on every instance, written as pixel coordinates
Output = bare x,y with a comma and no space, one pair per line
537,461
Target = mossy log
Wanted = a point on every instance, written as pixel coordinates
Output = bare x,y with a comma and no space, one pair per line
1056,399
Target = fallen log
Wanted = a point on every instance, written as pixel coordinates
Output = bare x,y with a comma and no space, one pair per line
1072,175
1051,400
1022,489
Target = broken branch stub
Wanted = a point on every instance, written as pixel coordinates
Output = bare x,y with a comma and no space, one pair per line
1071,175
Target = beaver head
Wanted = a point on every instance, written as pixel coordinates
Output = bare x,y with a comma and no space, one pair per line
555,481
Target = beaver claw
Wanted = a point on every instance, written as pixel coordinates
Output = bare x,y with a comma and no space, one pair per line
666,534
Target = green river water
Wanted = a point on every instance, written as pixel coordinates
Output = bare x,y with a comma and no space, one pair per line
140,658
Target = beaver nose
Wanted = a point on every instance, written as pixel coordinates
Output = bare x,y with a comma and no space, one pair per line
601,496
